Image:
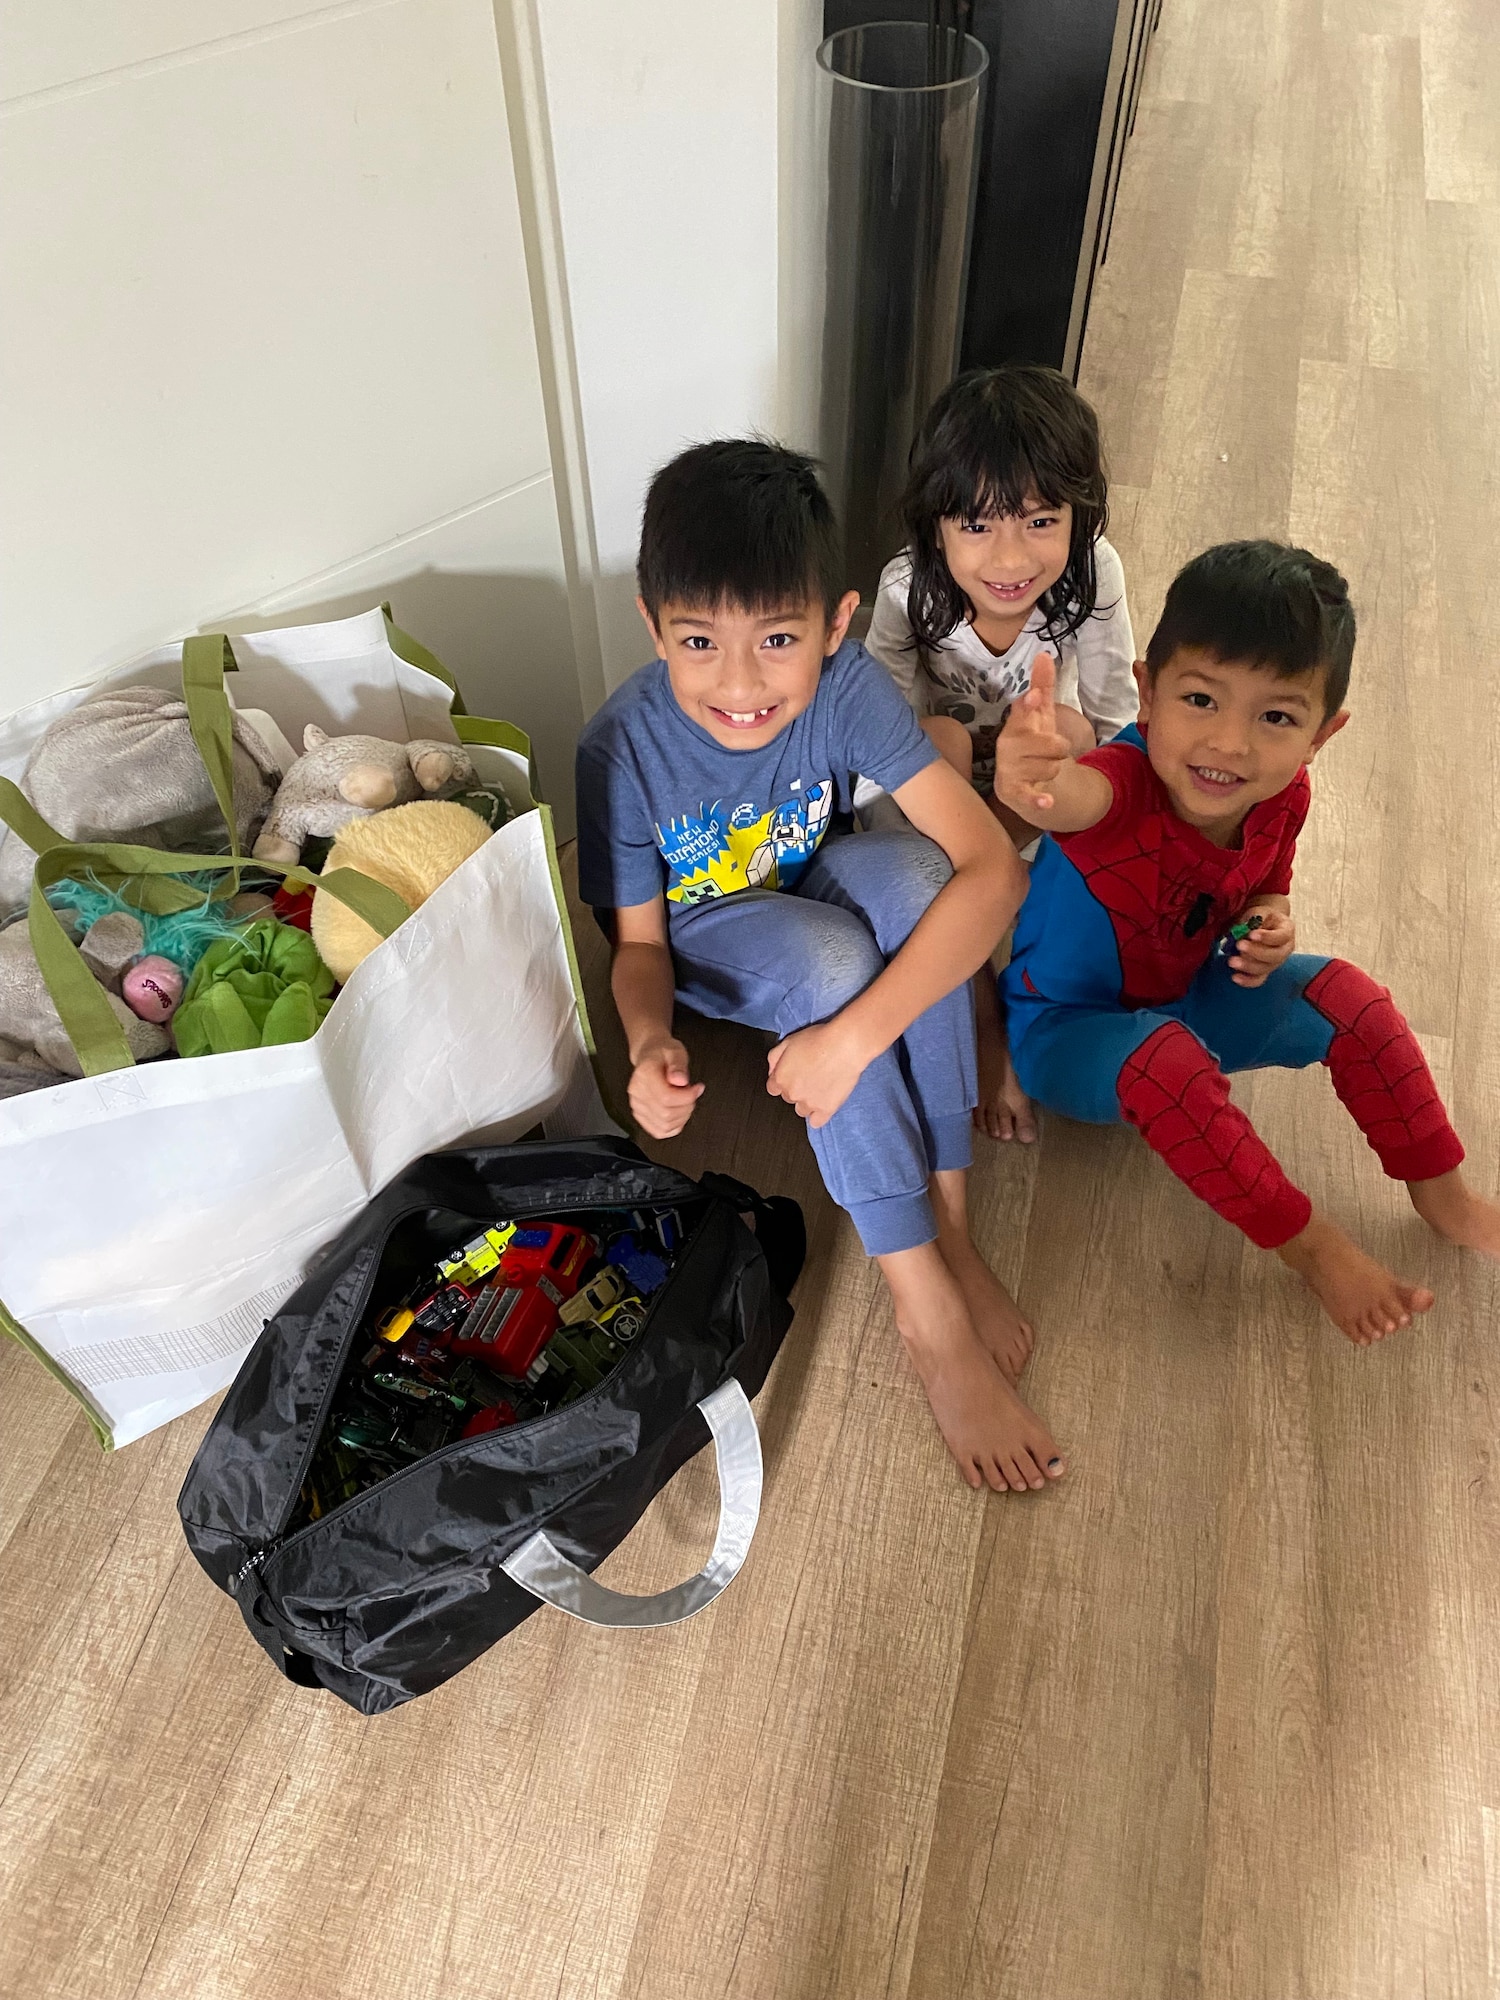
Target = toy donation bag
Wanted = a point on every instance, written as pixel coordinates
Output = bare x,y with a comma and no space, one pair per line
156,1216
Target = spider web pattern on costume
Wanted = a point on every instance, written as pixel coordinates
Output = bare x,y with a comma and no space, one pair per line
1150,874
1381,1075
1177,1097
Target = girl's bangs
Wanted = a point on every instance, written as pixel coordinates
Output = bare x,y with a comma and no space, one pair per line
997,483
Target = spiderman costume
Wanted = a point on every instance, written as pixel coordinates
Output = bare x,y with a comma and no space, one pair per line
1120,1007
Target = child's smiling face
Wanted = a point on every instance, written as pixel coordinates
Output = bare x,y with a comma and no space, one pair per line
744,676
1223,735
1003,563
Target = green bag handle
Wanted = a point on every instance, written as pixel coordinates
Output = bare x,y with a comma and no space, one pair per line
469,728
204,661
97,1037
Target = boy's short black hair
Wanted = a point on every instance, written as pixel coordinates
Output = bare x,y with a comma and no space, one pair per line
994,439
740,521
1261,604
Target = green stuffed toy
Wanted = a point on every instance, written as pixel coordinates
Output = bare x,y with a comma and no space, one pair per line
265,986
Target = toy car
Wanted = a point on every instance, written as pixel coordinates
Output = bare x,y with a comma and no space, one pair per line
606,1288
642,1262
550,1251
478,1257
497,1417
624,1321
508,1325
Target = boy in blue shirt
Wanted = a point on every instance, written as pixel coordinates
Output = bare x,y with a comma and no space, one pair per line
710,787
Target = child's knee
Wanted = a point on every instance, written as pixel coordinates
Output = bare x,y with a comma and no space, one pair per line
952,741
839,968
913,872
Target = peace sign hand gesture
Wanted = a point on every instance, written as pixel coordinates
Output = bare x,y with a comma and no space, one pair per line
1029,752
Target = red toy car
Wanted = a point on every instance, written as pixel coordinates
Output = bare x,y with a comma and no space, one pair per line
548,1250
509,1324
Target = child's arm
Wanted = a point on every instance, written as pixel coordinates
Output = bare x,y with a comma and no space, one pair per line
640,975
889,637
817,1067
1035,775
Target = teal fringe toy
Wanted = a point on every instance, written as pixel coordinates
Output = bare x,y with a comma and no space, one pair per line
183,936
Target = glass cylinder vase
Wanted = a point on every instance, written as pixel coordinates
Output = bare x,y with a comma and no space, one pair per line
903,121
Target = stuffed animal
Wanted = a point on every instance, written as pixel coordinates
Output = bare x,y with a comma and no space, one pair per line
412,850
123,765
174,942
342,778
265,986
29,1023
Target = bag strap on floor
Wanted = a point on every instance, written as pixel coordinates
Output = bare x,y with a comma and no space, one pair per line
540,1566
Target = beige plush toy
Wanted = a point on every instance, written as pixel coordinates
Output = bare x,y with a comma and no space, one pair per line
343,778
412,849
29,1023
123,765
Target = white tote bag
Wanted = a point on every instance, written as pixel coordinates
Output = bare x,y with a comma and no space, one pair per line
155,1216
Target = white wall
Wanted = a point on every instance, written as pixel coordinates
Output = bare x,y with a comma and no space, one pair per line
267,342
669,140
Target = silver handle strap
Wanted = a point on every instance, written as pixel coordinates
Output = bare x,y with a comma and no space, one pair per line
540,1567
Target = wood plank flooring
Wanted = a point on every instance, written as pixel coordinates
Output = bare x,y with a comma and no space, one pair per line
1216,1718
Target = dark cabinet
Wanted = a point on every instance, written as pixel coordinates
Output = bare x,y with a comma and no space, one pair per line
1064,80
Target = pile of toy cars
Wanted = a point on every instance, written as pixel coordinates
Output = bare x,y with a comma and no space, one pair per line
522,1318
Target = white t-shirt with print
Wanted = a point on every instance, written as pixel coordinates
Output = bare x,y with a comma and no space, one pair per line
964,679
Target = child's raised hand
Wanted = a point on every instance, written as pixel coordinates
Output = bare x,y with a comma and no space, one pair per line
662,1094
1257,956
1029,752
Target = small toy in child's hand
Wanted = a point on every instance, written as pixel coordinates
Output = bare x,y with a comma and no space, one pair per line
1235,936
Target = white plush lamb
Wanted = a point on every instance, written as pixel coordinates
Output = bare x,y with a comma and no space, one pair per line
342,778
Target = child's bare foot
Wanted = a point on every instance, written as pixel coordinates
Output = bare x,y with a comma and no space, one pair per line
995,1438
1004,1111
1458,1215
1362,1298
1003,1328
1004,1331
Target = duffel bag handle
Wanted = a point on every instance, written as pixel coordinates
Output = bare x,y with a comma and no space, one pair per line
540,1567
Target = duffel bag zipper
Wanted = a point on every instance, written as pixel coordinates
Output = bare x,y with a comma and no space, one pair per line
259,1557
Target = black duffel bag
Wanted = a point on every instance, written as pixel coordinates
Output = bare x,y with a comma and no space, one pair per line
394,1591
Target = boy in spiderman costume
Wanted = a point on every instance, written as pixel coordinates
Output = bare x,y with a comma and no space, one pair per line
1127,997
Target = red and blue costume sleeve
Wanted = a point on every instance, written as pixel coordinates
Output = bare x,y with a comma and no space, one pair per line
1120,1005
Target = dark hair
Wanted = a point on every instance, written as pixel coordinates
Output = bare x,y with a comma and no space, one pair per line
740,521
994,439
1264,605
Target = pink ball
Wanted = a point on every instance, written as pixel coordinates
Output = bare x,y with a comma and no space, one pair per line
152,988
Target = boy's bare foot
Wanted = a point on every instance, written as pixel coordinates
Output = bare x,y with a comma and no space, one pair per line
1004,1111
995,1438
1458,1215
1362,1298
1004,1331
1003,1328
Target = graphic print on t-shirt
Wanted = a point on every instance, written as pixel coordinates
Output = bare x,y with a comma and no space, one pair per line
720,848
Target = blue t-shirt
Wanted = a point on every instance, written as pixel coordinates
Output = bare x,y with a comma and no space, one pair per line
662,807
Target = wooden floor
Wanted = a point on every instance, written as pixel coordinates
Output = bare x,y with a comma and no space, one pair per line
1219,1716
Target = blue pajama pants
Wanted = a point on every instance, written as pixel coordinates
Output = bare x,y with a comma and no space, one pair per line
1070,1057
784,959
